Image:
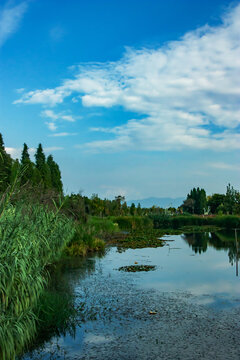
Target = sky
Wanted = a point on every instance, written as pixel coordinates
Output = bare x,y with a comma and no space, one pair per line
139,98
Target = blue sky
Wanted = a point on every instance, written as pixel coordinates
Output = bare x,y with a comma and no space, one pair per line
139,98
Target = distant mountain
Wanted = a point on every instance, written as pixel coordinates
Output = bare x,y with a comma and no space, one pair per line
161,202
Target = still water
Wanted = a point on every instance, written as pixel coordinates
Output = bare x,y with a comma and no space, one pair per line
194,294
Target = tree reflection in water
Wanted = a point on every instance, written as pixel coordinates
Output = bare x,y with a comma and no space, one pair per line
57,311
221,240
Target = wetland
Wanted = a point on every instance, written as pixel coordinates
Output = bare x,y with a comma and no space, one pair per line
188,307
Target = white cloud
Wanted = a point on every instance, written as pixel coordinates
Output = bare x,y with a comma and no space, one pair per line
20,91
53,148
17,152
57,116
187,92
49,97
50,114
224,166
10,18
63,134
51,126
14,152
53,116
68,118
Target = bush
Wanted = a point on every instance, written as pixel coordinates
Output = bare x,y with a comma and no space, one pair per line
133,222
84,241
102,225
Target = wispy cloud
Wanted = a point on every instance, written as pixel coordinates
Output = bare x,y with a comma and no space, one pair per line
53,148
57,33
10,19
224,166
51,125
54,117
187,92
63,134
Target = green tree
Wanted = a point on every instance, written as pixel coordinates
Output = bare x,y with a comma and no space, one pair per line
26,166
196,201
139,210
132,209
230,199
44,172
5,167
214,202
55,174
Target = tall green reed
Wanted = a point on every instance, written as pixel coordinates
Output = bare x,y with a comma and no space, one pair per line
30,239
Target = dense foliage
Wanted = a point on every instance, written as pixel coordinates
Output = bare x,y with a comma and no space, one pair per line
43,173
31,239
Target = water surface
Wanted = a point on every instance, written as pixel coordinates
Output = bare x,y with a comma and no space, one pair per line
194,292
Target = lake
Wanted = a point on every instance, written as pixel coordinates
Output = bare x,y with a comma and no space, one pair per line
187,308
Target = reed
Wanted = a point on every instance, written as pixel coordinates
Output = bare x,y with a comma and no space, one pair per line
30,239
84,241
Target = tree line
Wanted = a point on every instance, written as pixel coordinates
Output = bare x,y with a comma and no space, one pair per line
44,172
198,203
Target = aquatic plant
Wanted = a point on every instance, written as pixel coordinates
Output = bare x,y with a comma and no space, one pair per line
136,268
31,238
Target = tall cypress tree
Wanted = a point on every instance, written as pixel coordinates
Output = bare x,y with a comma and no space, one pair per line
196,201
43,168
5,166
27,166
55,174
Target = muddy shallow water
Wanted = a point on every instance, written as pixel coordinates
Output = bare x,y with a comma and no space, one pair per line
187,308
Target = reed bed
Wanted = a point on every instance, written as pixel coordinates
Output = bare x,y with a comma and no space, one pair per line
31,238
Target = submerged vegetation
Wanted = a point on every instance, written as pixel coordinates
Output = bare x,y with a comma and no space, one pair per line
136,268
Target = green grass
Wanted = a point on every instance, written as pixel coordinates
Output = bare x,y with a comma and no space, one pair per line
133,222
178,221
101,226
84,241
31,239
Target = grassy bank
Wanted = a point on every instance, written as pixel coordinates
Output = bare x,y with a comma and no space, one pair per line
31,239
177,222
90,237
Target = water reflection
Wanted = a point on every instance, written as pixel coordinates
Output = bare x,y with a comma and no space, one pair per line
58,312
222,240
107,301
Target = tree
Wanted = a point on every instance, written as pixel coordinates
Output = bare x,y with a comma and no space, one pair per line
230,199
5,167
215,201
139,210
44,172
196,201
188,205
26,166
132,209
55,174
